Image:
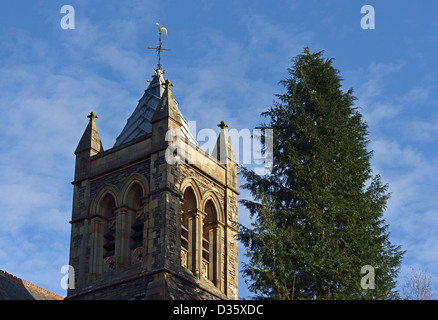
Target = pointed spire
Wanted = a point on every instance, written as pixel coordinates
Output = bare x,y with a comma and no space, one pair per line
167,107
223,150
138,123
90,140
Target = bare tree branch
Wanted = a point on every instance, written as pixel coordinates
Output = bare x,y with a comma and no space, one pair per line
418,286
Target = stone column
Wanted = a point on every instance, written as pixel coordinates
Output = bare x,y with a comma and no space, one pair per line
96,250
123,230
195,242
215,232
218,252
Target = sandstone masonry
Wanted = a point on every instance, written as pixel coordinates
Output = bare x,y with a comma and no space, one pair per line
142,228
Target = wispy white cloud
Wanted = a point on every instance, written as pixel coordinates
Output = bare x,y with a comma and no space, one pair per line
237,78
370,83
44,104
411,213
397,124
415,95
422,131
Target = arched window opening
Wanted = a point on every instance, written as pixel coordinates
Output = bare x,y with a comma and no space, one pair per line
189,200
134,197
186,238
209,242
135,202
106,209
210,210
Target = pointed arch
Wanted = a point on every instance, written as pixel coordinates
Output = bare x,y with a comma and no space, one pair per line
107,205
191,182
190,201
134,196
210,198
100,203
130,188
134,192
190,223
103,226
212,233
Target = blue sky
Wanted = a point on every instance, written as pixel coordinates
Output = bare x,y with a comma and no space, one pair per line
226,61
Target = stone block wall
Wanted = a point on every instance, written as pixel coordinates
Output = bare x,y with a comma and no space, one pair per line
159,274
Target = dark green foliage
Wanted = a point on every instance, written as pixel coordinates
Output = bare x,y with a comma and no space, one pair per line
318,216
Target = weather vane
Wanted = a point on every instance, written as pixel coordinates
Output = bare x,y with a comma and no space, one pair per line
160,48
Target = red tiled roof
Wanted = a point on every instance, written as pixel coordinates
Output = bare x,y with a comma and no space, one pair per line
14,288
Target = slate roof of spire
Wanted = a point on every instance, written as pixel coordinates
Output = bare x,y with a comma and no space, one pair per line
139,123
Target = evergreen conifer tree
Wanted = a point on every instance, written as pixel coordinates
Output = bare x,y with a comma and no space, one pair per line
317,218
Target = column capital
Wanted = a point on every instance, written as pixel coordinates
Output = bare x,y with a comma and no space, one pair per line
96,219
215,224
123,209
195,213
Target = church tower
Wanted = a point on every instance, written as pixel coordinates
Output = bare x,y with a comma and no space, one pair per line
155,216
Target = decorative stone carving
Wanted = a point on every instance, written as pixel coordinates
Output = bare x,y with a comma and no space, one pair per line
137,255
204,270
110,263
184,258
112,224
139,215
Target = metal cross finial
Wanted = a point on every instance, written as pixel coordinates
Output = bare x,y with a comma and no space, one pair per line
222,125
92,116
160,48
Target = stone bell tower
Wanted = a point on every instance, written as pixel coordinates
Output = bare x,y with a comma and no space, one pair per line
155,216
